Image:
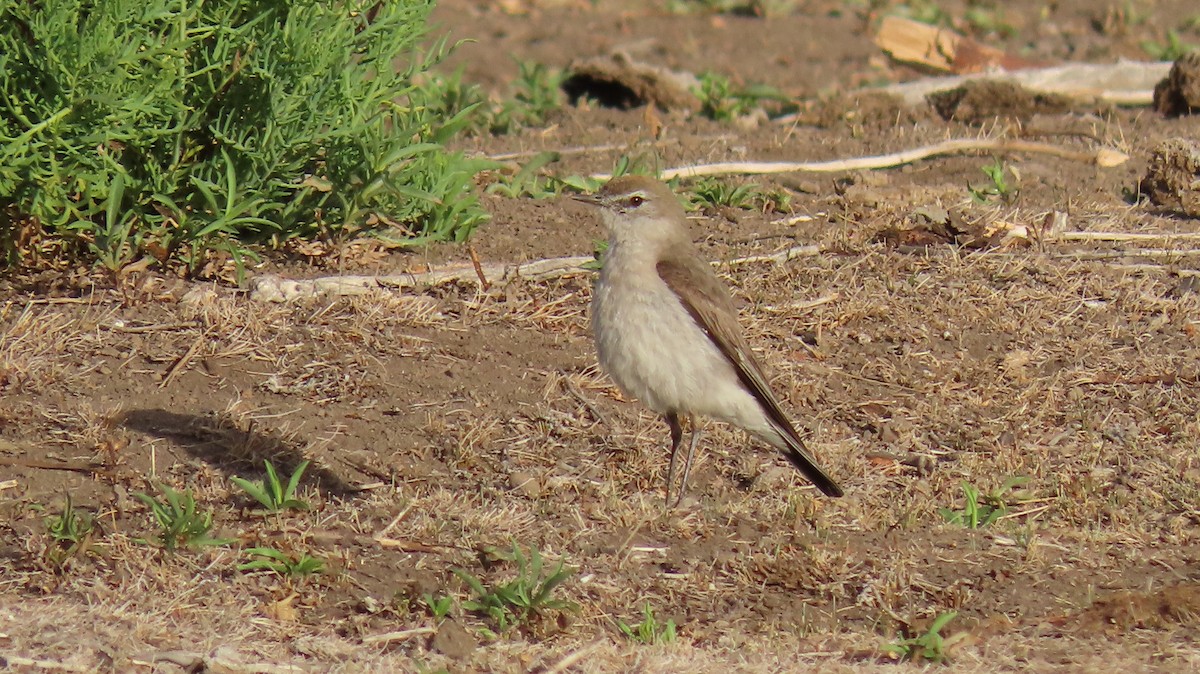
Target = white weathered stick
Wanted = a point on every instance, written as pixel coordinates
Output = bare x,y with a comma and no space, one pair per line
1103,157
1152,253
1124,236
389,637
1121,83
778,258
275,288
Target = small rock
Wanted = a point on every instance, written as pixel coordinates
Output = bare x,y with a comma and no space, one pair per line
525,484
453,640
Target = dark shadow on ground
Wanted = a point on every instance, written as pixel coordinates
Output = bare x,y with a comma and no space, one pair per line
223,442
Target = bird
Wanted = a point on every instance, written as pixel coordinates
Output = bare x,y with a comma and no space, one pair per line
667,330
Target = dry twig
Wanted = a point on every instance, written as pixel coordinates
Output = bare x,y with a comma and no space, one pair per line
274,288
1103,157
389,637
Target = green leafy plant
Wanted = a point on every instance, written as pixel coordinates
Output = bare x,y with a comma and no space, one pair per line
71,531
272,493
439,607
925,11
538,91
981,510
448,95
708,6
716,192
527,595
998,185
720,100
180,524
987,19
527,181
930,646
1169,49
775,199
72,526
271,559
165,133
649,631
577,183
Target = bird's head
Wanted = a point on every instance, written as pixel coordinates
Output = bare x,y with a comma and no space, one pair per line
640,209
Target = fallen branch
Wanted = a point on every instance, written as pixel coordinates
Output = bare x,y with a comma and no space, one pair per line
1152,253
52,665
86,468
1124,236
275,288
222,659
389,637
1129,83
412,546
572,658
179,365
778,258
1149,267
1103,157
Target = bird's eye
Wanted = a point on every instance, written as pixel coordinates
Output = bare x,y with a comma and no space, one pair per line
636,201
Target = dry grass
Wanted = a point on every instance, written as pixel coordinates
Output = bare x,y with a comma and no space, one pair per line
445,426
988,365
479,419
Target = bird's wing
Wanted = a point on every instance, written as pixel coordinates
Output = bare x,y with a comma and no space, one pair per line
706,299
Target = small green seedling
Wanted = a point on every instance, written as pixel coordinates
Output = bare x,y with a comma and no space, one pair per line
928,647
271,559
1169,49
439,607
538,92
925,11
523,597
721,101
179,521
714,192
272,493
985,20
998,188
649,631
72,526
72,533
980,510
527,181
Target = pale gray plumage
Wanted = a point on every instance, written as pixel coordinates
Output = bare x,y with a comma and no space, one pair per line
667,330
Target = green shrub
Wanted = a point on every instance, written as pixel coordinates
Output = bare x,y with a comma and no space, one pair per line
176,131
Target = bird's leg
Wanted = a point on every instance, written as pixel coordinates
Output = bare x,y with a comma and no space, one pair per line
687,464
672,420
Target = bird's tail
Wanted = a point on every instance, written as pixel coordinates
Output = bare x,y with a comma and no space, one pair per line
795,450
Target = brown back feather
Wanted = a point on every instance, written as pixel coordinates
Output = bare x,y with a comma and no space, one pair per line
708,301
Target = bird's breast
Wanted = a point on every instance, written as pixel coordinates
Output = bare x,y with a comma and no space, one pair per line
651,346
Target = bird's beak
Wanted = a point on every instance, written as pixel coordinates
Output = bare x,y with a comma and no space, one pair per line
587,199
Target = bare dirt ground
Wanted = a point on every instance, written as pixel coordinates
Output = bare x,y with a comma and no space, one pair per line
444,425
